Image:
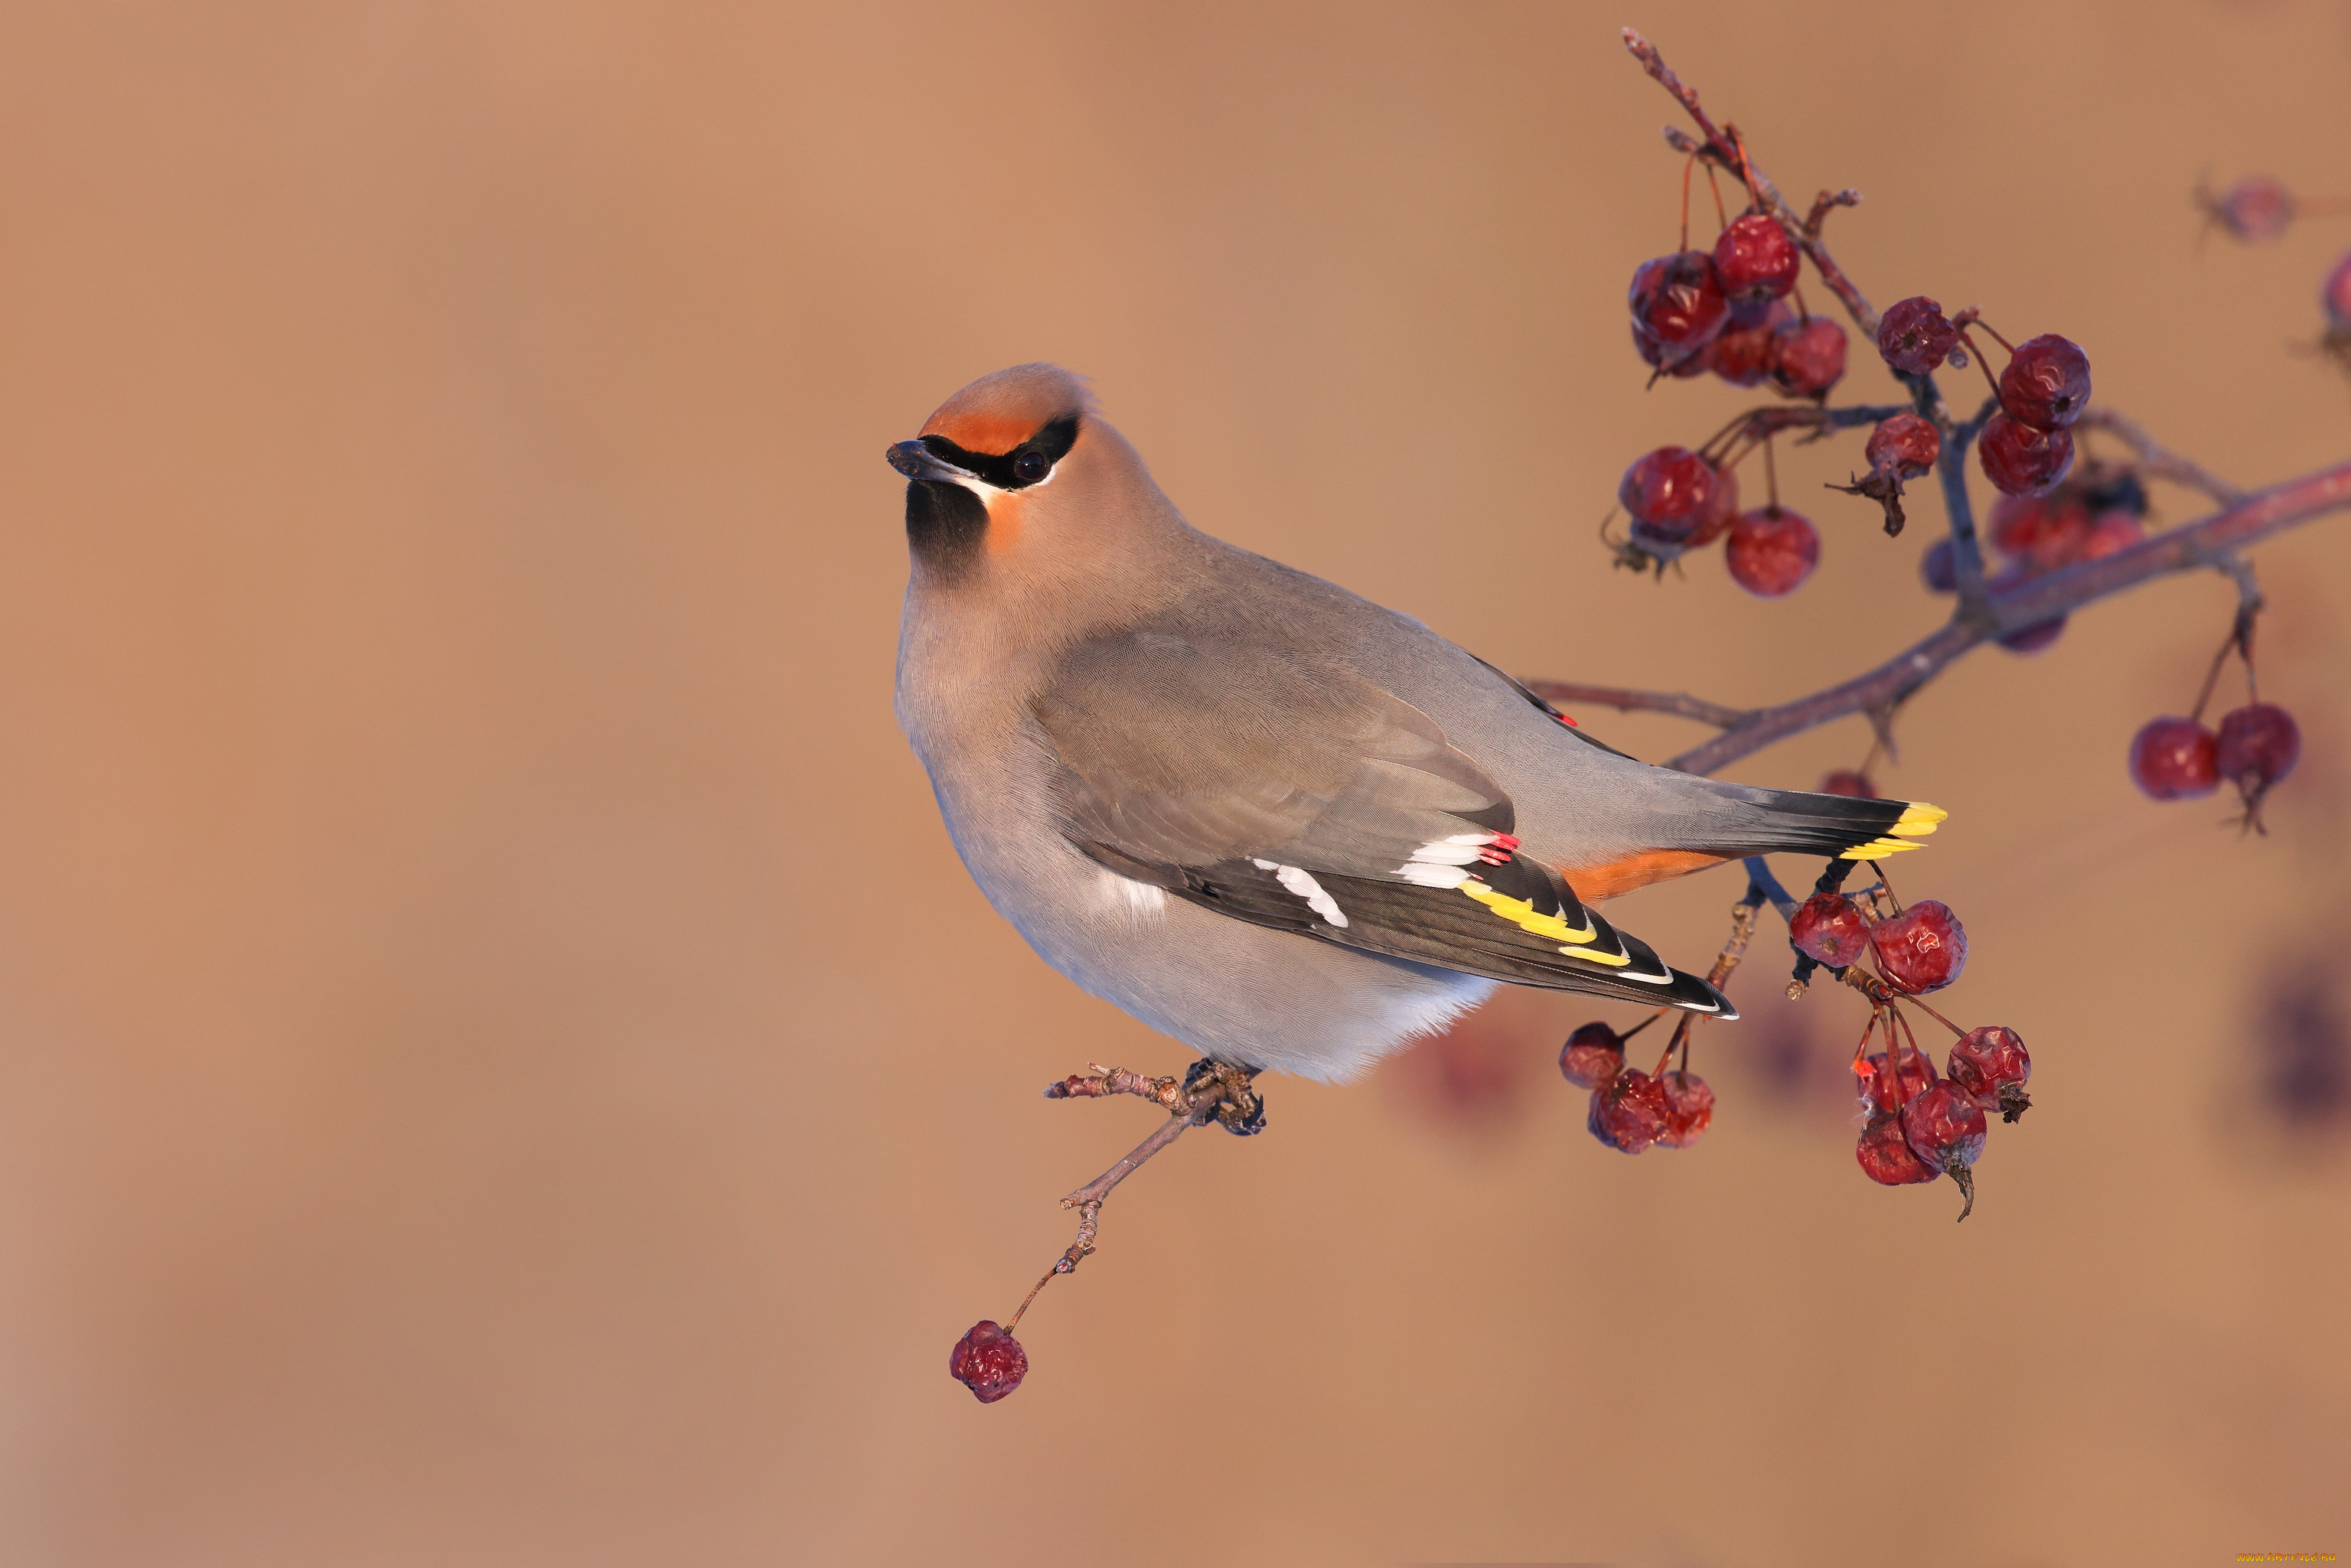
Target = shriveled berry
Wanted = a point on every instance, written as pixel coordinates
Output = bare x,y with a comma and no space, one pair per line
1594,1055
2258,745
1677,305
1946,1129
2047,382
1885,1154
2019,460
2175,760
1939,568
1905,446
1689,1107
1845,781
1877,1087
1721,509
1807,357
1829,926
988,1360
1771,550
2256,209
1914,335
1992,1065
1630,1112
1921,949
1742,354
1755,262
1666,491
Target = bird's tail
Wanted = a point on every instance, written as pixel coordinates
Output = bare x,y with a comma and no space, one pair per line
1846,827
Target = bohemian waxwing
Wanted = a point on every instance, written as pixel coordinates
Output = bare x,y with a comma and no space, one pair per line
1287,826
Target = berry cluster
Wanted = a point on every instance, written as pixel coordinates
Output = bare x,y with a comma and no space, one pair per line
1917,1126
1726,312
2087,516
2254,747
1631,1110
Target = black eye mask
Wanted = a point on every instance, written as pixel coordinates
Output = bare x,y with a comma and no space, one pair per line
1008,471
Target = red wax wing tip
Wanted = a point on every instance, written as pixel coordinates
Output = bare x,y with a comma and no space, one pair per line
1567,721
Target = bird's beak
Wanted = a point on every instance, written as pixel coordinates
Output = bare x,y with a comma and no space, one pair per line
917,461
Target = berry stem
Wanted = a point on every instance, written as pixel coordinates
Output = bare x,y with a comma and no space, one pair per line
1644,1024
1688,165
1722,217
1771,475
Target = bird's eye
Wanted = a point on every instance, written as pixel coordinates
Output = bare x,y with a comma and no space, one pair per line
1031,467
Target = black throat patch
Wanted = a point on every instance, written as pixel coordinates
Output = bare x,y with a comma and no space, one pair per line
945,526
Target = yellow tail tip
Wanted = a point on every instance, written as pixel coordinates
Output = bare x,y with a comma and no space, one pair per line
1878,849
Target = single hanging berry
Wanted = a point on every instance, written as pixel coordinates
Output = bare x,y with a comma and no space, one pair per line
2257,744
2047,382
2019,460
2175,760
1915,336
1594,1055
1771,550
988,1360
1905,446
1829,926
1921,949
1991,1064
1946,1129
1678,305
1755,262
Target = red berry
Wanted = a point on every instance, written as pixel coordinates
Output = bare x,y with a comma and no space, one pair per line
1946,1129
2256,209
1687,365
1630,1112
2047,382
1807,357
1992,1065
1771,550
1905,446
1939,568
1667,491
1829,926
1845,781
1885,1158
1677,305
1593,1056
988,1360
2111,532
1914,336
1689,1107
1742,354
2040,531
2021,461
2258,745
1721,509
2175,760
2336,298
1921,949
1755,262
1877,1093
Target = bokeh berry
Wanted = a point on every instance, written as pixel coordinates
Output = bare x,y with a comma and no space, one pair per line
1720,511
2257,746
1772,551
1938,567
2175,760
1914,336
2256,209
988,1360
1742,353
1666,492
1921,949
1845,781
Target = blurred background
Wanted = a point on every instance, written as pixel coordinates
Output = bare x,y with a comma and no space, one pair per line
499,1063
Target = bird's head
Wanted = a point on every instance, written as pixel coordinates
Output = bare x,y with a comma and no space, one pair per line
1016,476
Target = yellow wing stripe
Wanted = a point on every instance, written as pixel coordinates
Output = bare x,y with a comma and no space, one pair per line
1919,819
1524,916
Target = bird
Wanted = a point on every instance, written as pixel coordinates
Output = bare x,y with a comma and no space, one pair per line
1287,827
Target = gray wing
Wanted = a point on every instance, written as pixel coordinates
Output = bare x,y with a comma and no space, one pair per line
1298,795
